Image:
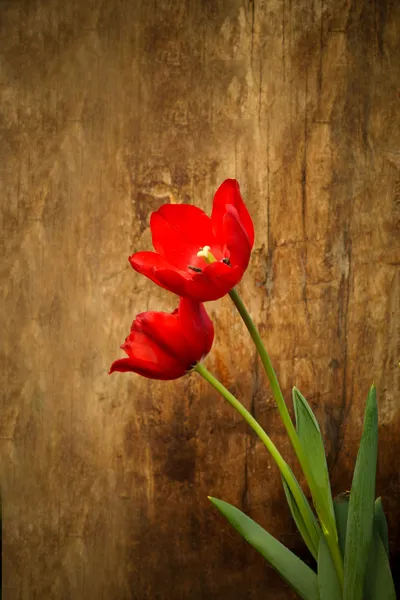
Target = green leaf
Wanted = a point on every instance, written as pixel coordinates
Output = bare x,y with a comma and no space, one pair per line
361,505
294,571
378,582
308,519
311,440
381,524
328,582
301,526
341,506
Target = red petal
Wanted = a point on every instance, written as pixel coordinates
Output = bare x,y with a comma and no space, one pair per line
145,369
179,231
216,280
146,354
164,330
142,346
156,268
236,238
173,281
144,262
228,193
196,326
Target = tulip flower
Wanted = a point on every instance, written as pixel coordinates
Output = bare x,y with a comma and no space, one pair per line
180,231
167,345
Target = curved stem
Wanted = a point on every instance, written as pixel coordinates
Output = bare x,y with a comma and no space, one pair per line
327,520
281,463
273,380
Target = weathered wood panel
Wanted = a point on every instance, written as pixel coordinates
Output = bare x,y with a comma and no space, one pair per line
108,108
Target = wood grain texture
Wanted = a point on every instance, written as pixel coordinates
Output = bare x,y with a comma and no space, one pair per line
109,109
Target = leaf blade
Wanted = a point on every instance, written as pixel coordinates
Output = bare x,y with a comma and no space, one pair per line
361,505
328,582
294,571
378,582
311,439
296,514
341,506
381,524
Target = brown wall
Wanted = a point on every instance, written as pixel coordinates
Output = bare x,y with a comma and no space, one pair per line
108,108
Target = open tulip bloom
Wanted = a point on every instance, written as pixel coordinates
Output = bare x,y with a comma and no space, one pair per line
181,231
203,259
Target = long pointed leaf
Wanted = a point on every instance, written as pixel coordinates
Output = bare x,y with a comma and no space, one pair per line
307,515
341,506
294,571
311,440
296,514
361,505
381,524
378,583
328,582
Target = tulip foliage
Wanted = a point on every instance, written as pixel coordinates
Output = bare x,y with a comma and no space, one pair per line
199,259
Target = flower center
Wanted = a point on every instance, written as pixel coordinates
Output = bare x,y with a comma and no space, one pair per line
209,258
206,254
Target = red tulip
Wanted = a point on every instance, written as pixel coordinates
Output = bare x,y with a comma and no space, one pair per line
167,345
179,231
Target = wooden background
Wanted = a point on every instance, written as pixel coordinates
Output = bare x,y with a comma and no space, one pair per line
108,108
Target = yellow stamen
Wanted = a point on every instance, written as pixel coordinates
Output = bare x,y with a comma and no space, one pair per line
206,254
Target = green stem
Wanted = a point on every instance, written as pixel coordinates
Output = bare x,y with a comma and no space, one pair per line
281,463
327,520
273,380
